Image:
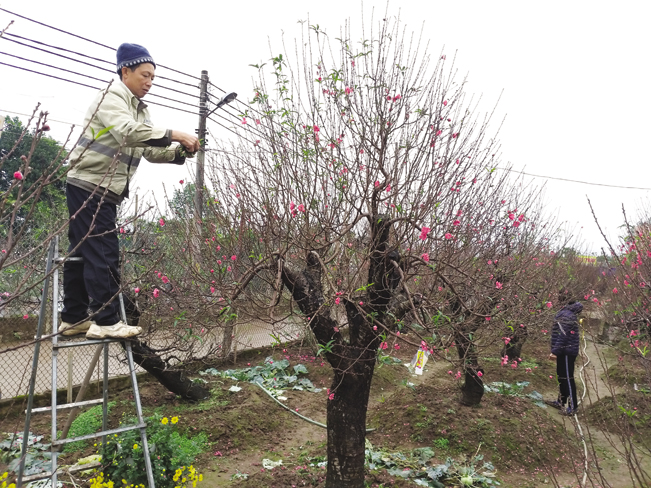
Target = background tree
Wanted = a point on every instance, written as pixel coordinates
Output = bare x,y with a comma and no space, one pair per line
364,191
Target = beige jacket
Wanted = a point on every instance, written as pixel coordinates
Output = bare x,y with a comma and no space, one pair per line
92,160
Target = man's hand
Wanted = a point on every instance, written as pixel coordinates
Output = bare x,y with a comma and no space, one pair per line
188,141
552,357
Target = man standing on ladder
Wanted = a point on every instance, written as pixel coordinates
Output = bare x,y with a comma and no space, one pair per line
99,181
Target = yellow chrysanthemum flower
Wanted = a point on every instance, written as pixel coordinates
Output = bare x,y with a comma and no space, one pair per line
164,421
175,420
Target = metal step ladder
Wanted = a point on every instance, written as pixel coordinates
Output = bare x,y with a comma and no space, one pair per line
52,268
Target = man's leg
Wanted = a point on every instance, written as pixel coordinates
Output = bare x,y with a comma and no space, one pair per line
75,295
571,385
561,375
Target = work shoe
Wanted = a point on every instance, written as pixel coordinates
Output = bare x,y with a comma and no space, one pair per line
555,404
68,329
569,412
117,331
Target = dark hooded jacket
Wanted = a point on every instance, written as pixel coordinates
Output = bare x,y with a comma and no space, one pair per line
565,332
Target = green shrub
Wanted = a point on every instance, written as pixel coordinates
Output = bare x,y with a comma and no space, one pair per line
88,422
171,452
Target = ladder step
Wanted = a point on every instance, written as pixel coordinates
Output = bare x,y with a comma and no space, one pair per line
72,469
69,405
34,477
63,260
61,345
98,434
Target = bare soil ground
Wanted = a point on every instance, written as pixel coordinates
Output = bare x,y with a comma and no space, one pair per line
530,446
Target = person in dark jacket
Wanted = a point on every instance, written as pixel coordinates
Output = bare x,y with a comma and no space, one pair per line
565,349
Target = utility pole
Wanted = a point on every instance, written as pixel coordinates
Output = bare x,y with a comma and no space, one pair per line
198,179
201,156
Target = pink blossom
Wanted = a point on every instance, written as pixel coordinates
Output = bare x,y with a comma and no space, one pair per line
301,208
458,375
361,303
425,257
388,188
480,374
292,206
448,236
456,222
498,285
316,128
384,345
161,222
423,232
375,327
549,304
229,269
25,316
136,290
233,257
18,175
257,121
165,279
396,347
337,300
445,102
349,90
181,181
244,121
614,290
219,261
377,183
212,289
156,292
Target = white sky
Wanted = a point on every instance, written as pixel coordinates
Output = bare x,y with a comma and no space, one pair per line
575,75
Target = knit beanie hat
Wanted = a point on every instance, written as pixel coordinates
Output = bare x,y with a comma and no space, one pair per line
132,54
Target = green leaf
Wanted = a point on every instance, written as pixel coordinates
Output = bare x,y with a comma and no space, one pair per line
102,132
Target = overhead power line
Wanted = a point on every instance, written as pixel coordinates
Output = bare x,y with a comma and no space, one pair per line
98,67
112,63
574,181
88,40
2,111
96,88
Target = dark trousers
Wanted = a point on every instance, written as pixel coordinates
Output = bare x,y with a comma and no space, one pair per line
95,281
565,376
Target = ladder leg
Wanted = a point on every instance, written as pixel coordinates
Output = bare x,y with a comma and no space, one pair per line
55,357
143,431
105,388
37,349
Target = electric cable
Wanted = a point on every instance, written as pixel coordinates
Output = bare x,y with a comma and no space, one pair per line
95,66
55,67
29,115
50,76
229,129
90,57
573,181
96,88
88,40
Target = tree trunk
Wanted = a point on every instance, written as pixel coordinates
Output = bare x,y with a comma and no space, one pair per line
174,380
472,390
514,348
145,357
346,419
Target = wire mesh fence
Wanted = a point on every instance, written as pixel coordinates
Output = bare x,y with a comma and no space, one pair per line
19,321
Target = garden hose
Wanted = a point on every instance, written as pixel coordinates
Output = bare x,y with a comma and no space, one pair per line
319,424
576,419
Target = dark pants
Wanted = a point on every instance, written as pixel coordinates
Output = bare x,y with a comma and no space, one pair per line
565,376
95,281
